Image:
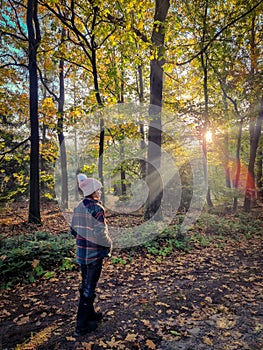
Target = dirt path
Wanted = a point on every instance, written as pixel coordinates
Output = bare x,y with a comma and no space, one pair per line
210,298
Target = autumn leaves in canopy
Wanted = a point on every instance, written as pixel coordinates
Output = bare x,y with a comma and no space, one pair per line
200,61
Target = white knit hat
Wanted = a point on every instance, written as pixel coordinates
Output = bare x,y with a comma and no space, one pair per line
88,185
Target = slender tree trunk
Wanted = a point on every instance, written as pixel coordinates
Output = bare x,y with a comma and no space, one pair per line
250,184
76,162
237,177
43,162
206,119
154,182
259,176
205,165
121,94
140,85
33,41
61,138
123,172
142,131
100,104
226,146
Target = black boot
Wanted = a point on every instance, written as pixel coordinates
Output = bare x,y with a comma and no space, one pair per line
85,321
93,315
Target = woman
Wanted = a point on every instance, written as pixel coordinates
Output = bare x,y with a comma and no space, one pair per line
93,244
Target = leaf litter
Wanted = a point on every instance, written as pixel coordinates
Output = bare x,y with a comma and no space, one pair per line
209,298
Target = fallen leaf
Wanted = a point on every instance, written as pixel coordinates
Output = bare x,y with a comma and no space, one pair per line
110,313
87,346
6,313
207,341
150,344
104,345
159,303
224,323
209,300
148,324
70,339
35,263
131,337
21,321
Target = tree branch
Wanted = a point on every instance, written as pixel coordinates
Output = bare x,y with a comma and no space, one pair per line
2,32
17,18
46,86
12,64
219,33
12,149
122,23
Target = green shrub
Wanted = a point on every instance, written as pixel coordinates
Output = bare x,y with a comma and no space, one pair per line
232,226
27,257
169,240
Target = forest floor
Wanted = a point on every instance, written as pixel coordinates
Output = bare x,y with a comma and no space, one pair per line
208,298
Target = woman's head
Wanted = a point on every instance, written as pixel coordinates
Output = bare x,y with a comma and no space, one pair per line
89,186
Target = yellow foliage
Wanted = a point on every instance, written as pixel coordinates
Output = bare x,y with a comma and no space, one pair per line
48,111
6,178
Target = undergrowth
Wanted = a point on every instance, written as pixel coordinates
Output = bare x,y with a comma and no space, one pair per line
25,258
210,228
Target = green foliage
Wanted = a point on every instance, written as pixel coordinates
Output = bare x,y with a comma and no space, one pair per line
200,239
232,226
210,228
118,260
170,240
28,257
68,264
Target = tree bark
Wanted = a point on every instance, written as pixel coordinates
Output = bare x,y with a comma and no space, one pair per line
255,126
250,194
206,99
238,165
100,104
123,172
33,42
259,176
61,138
142,129
153,179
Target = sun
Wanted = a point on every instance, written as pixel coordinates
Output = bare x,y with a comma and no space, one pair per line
209,136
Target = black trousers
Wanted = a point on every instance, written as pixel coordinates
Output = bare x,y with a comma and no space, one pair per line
90,274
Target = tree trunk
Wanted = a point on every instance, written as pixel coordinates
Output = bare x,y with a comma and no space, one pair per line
43,164
61,138
142,131
99,101
227,168
237,177
250,194
255,126
206,119
154,182
226,146
33,41
259,176
123,172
